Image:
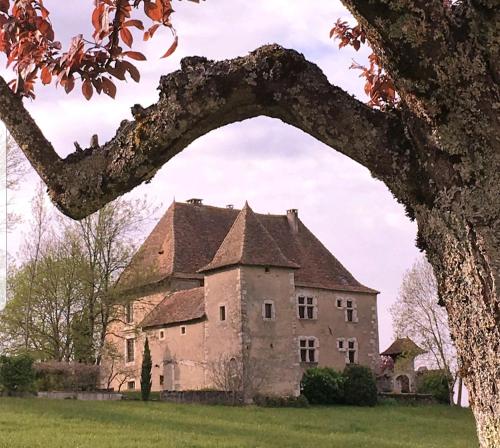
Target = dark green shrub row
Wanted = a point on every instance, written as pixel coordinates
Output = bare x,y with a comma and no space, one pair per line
354,386
435,383
275,401
17,375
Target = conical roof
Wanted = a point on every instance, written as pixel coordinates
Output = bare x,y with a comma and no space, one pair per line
249,243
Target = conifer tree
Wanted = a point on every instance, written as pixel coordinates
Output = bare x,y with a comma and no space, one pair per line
146,372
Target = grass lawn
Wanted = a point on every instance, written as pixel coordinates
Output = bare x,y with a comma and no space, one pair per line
129,424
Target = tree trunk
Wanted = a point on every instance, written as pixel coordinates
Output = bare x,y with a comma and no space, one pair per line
464,256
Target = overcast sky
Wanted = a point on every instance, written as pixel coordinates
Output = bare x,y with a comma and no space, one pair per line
272,165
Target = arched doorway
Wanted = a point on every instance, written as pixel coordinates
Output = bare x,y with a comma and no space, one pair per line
403,384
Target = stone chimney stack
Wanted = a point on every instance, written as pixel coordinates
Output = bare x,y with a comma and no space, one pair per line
195,201
293,219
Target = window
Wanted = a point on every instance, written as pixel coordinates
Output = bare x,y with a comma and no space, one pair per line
268,312
339,303
183,330
131,385
308,349
351,314
306,307
161,335
130,350
161,380
222,312
352,355
129,313
340,344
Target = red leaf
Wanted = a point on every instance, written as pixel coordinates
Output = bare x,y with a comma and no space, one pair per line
134,55
149,33
172,48
87,89
134,73
46,76
69,84
152,11
4,5
137,23
126,36
108,87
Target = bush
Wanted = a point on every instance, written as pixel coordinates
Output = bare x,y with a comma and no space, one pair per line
17,374
275,401
435,383
360,388
323,385
66,376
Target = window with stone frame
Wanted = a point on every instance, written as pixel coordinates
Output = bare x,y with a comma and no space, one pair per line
307,307
131,385
161,335
351,312
308,349
129,312
162,378
268,311
339,303
341,345
183,329
130,350
352,351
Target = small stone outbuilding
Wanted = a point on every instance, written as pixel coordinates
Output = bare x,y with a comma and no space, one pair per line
399,375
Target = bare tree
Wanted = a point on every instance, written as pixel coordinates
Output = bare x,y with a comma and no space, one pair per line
16,170
114,368
240,378
416,314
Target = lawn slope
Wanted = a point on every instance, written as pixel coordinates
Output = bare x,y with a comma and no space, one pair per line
39,423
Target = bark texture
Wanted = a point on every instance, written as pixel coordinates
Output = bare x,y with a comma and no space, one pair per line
439,152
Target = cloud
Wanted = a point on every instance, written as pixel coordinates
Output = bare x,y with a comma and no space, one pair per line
273,165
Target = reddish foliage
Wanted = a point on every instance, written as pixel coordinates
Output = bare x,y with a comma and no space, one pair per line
28,40
378,85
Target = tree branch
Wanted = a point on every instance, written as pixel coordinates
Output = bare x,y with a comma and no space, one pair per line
406,34
205,95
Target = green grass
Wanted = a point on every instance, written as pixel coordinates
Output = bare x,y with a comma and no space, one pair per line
129,424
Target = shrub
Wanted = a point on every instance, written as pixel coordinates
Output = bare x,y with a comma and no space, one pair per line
435,383
66,376
276,401
323,385
17,374
359,388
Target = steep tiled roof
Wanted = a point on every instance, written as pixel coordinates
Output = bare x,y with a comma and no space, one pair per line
403,346
189,236
177,307
248,243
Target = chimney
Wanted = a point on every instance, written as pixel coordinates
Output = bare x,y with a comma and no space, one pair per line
293,219
195,201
